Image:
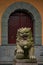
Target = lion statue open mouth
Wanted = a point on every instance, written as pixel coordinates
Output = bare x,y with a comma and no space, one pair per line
24,44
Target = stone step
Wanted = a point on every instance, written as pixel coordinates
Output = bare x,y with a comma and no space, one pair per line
24,62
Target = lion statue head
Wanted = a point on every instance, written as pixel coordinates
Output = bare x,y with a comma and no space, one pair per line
24,37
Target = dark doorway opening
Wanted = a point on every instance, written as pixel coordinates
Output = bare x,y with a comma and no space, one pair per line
17,19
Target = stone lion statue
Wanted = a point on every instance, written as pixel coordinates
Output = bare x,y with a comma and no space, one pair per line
24,44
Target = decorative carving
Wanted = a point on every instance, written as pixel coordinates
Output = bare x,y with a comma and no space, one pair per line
24,44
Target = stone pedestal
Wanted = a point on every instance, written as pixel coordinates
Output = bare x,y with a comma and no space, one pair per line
25,62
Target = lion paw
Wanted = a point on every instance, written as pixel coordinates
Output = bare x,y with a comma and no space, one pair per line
32,57
19,51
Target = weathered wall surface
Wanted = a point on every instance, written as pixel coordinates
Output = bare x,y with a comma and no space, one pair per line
7,53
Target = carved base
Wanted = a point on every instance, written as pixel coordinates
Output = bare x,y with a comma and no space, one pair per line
25,62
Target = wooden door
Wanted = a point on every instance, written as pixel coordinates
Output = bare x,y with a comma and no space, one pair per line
16,21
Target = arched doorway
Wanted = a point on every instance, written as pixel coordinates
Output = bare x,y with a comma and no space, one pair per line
37,21
19,18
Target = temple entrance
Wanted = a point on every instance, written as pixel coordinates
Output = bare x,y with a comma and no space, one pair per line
18,19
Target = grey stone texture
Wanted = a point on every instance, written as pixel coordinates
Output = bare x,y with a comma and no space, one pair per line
26,64
23,62
7,53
